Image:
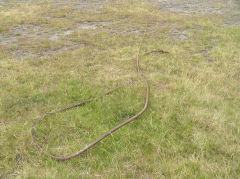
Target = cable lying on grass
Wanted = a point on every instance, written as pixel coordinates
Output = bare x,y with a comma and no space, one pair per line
34,136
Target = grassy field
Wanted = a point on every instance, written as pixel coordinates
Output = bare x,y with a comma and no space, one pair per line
53,55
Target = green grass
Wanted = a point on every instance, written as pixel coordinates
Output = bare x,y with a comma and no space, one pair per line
190,130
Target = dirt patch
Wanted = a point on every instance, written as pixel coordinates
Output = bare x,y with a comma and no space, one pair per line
229,9
58,42
191,6
16,39
18,42
178,34
232,14
91,5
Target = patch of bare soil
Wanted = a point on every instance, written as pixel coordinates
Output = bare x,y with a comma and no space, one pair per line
15,41
229,9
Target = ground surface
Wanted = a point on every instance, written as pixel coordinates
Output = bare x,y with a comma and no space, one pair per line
57,53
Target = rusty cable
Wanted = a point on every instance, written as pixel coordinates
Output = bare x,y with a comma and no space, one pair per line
90,100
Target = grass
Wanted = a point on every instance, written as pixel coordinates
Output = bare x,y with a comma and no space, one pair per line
191,128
